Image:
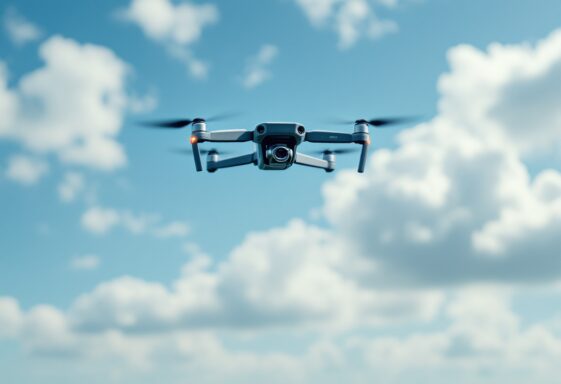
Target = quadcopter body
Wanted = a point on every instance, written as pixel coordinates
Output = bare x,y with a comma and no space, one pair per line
276,144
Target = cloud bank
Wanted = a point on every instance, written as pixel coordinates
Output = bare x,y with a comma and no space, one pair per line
439,235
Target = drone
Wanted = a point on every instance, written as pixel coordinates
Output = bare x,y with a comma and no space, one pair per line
276,143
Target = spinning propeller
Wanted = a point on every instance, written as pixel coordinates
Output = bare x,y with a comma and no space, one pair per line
379,122
376,123
182,123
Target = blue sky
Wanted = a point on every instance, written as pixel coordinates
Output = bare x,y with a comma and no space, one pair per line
119,260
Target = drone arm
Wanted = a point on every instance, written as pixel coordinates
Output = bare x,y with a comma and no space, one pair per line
328,137
310,161
213,163
226,136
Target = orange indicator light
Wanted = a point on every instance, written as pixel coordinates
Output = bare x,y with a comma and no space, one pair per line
193,139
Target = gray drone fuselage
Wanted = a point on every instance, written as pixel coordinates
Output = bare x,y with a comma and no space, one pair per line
276,146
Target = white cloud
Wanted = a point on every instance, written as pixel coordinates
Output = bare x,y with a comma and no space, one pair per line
20,30
454,202
10,317
100,220
290,277
509,92
177,27
480,339
44,331
26,170
350,19
71,186
485,342
257,71
85,262
173,229
142,104
73,106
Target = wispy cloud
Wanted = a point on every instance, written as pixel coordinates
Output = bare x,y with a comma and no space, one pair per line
85,262
20,30
176,27
26,170
173,229
71,186
100,220
350,19
257,70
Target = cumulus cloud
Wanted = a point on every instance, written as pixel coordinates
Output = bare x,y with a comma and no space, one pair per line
509,91
177,27
257,72
451,207
350,19
26,170
298,276
455,201
73,106
293,278
484,342
20,30
44,331
10,317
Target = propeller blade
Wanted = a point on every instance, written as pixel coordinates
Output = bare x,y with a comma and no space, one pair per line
378,122
181,123
173,124
381,122
339,121
222,116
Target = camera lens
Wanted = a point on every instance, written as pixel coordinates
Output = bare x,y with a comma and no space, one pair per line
281,154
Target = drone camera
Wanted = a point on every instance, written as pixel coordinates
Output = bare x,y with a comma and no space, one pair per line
279,154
